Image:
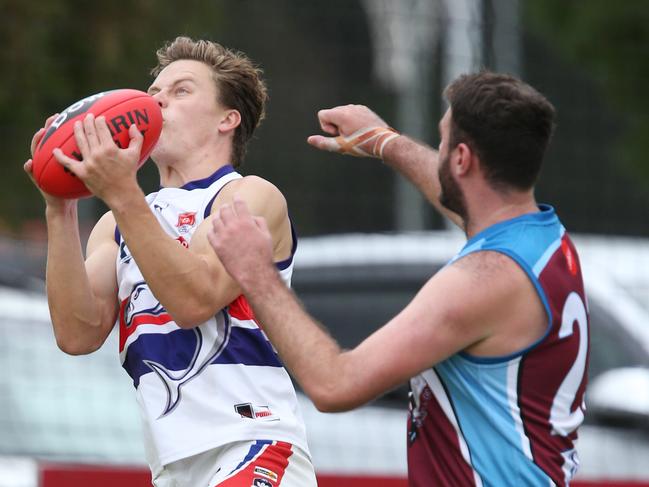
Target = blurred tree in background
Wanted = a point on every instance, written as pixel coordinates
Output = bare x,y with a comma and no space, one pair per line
611,42
56,52
590,58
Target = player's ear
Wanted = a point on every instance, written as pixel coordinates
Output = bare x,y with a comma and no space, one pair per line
230,121
465,159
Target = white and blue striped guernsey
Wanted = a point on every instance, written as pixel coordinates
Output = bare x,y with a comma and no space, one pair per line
217,383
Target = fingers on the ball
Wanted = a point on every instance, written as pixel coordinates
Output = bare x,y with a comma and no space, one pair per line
103,133
137,139
50,120
80,137
90,130
64,160
36,139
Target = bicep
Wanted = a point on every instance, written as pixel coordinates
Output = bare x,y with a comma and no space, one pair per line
440,321
263,200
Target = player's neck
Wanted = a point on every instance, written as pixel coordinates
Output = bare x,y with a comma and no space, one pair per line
178,172
493,208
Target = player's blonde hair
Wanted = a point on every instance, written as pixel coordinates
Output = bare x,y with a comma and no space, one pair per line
238,81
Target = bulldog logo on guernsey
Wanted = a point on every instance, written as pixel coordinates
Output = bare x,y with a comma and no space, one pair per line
143,318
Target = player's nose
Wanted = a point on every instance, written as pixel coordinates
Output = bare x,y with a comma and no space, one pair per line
161,98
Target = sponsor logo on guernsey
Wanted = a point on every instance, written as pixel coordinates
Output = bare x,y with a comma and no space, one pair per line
247,410
181,240
261,483
264,472
186,221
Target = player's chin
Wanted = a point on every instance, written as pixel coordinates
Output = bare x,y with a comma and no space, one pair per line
164,153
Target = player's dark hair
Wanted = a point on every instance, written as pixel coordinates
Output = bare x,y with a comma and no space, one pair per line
505,121
239,83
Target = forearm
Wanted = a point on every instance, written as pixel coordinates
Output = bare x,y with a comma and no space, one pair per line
417,162
311,355
180,279
75,315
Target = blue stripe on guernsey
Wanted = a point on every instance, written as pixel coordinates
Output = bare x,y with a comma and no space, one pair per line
207,182
208,207
248,346
252,453
488,385
281,265
245,346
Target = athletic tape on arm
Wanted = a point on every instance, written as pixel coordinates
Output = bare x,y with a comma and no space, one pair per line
374,139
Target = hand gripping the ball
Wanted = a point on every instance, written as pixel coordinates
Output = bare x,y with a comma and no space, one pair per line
28,166
105,169
121,109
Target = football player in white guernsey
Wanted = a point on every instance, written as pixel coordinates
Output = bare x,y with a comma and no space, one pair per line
218,407
496,343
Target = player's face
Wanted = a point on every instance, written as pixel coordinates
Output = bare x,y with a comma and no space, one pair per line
451,195
187,95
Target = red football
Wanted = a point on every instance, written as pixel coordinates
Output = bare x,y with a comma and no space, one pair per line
122,108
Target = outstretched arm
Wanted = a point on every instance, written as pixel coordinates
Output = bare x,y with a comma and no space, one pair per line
452,312
358,131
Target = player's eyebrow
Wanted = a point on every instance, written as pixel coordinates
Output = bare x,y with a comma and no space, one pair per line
154,89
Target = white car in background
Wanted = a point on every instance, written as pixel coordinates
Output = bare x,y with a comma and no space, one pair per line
59,411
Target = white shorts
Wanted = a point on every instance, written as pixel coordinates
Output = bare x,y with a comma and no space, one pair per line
261,463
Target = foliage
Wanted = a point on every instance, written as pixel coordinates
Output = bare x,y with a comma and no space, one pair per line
611,40
59,51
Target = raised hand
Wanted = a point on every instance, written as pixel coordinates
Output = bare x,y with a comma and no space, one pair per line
105,169
356,131
28,165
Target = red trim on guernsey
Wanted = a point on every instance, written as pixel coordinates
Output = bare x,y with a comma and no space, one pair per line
273,458
143,319
240,309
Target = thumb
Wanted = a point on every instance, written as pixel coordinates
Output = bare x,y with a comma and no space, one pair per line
324,143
